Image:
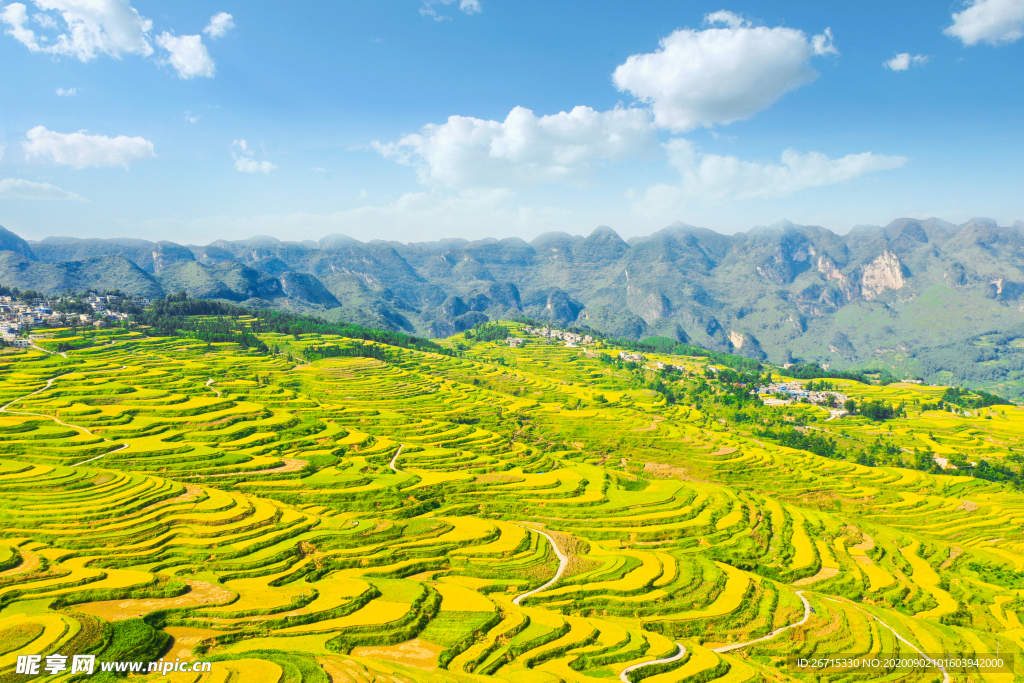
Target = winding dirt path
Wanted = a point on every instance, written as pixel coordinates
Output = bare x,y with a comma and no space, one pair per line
945,674
52,353
680,653
563,562
737,646
395,459
120,448
209,382
49,385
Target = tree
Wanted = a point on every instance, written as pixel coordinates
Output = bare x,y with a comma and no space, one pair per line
877,410
850,405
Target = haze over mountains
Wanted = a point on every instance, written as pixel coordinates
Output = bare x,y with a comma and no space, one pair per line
925,297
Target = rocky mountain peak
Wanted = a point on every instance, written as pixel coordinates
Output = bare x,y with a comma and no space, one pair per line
167,254
882,273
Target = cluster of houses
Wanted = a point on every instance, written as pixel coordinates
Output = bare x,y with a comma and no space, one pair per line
662,365
571,339
17,316
798,393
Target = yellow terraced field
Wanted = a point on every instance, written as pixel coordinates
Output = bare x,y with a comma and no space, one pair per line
417,514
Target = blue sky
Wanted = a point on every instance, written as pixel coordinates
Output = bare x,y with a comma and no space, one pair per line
193,121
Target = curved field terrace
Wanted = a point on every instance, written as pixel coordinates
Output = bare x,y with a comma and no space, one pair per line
533,514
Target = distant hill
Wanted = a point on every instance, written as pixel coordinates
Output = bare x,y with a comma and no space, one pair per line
922,297
103,273
11,242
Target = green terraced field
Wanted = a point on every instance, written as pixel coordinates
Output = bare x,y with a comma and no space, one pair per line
532,514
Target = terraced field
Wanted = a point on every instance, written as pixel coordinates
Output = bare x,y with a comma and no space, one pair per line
533,514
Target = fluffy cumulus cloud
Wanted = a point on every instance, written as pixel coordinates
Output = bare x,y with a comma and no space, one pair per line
524,149
90,28
81,150
724,73
16,188
904,61
711,177
244,161
85,29
250,165
220,24
187,55
989,21
429,8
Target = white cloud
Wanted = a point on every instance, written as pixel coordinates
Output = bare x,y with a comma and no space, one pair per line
989,21
726,17
822,43
711,178
904,61
720,75
188,55
111,27
250,165
1,152
45,20
192,118
467,6
14,16
244,163
67,92
15,188
220,24
80,150
91,27
523,150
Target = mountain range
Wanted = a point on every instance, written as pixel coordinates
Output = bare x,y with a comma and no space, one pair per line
922,297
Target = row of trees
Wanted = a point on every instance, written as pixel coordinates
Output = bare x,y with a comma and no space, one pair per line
815,371
216,321
972,399
16,293
489,332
